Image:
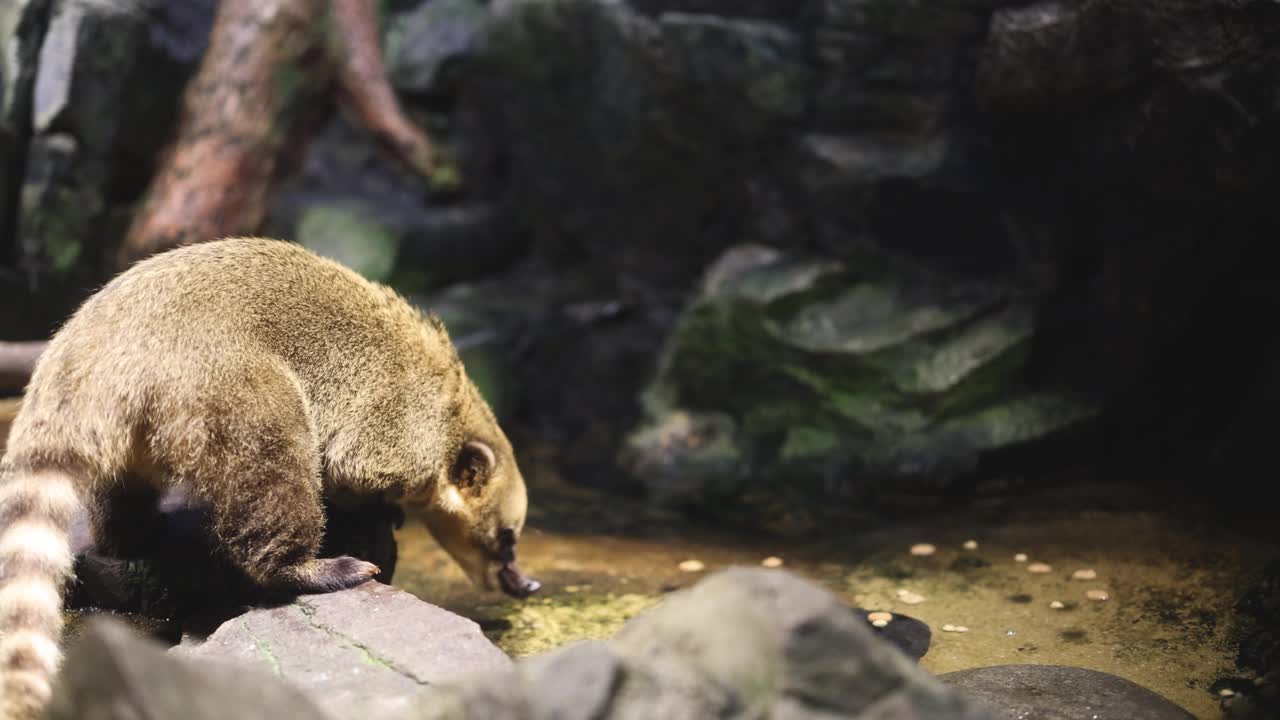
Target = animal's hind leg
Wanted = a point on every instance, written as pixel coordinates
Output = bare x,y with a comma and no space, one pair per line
258,472
124,519
273,532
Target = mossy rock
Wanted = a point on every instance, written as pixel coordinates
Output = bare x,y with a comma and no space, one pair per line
828,381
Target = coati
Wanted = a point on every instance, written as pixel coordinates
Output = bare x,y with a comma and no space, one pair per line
260,378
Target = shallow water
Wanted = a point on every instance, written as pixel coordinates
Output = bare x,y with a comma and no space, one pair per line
1168,624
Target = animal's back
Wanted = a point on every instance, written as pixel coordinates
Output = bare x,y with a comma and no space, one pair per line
220,365
193,319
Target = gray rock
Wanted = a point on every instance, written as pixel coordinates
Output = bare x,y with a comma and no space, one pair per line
1055,692
653,110
367,652
889,67
22,24
892,379
422,44
906,633
104,98
740,643
113,674
783,10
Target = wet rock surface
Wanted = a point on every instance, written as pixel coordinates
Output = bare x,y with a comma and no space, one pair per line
1054,692
753,641
367,652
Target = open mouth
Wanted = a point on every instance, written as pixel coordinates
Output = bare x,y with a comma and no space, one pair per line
515,583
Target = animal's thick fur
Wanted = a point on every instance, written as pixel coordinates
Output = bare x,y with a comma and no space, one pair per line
260,377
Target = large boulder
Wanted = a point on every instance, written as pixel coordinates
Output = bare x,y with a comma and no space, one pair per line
662,120
839,380
741,643
113,674
367,652
22,25
103,94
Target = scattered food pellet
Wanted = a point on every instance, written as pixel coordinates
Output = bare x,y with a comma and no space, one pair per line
1098,595
909,597
1084,575
954,628
1020,557
1057,605
771,562
880,616
970,544
879,623
691,566
1039,568
1226,692
923,549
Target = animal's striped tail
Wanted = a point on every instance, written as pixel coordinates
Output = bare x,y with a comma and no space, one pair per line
36,508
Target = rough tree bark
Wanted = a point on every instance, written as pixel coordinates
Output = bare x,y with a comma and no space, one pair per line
271,71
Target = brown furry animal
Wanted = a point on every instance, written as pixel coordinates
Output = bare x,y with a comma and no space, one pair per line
260,378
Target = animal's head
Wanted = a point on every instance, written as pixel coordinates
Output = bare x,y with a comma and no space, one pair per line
477,511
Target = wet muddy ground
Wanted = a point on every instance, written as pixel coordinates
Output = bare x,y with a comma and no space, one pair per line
1168,623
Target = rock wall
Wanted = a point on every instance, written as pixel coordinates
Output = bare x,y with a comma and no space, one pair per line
856,249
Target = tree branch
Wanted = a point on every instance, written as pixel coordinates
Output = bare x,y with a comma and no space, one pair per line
364,89
271,72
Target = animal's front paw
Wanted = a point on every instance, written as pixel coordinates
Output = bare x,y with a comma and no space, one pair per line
331,574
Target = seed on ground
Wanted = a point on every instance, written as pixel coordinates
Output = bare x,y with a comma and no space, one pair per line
692,566
909,597
1039,568
954,628
970,544
1057,605
1226,692
1098,595
880,615
771,562
879,623
923,549
1020,557
1085,574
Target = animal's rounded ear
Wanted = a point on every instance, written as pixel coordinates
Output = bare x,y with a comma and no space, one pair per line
474,466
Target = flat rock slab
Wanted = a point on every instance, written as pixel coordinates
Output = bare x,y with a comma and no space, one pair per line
1056,692
112,673
360,653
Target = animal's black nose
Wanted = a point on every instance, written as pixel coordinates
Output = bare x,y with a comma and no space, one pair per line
506,537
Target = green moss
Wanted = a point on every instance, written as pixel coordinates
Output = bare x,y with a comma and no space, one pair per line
806,442
264,648
540,624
